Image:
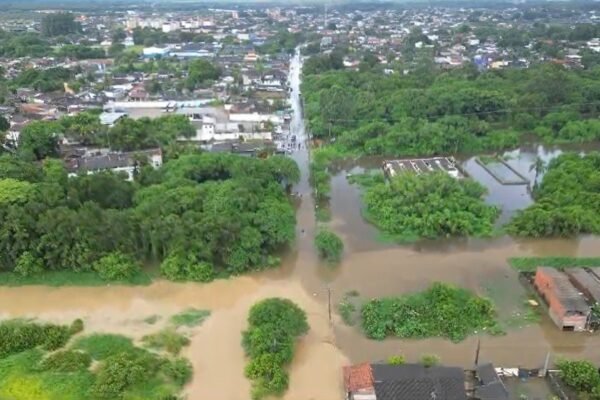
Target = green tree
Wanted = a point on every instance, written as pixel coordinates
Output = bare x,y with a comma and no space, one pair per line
4,124
116,267
329,246
56,24
38,140
581,375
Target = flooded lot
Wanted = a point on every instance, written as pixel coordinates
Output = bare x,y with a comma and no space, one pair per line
371,267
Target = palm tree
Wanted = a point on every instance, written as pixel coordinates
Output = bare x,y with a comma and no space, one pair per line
539,165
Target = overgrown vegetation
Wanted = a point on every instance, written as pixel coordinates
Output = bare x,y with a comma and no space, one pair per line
29,370
190,317
566,200
269,342
167,339
329,246
582,376
440,311
227,214
529,264
349,308
429,206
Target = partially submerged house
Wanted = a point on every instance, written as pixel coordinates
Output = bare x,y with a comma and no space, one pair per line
489,385
566,306
404,382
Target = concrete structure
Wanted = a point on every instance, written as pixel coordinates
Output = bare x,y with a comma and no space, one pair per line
566,307
422,165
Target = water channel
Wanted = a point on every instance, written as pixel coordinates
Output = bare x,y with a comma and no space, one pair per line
371,267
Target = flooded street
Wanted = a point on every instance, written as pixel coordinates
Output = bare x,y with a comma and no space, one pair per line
370,266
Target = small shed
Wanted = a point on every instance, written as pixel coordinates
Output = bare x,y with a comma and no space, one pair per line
567,308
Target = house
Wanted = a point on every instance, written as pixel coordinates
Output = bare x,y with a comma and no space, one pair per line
126,162
567,308
111,118
156,52
489,386
404,382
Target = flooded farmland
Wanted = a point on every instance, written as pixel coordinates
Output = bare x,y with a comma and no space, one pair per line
370,266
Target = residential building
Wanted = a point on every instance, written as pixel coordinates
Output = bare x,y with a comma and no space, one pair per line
126,162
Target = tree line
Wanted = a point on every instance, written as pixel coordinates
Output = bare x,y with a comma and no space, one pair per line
219,213
432,112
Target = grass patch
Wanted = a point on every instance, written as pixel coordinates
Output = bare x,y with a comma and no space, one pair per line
190,317
167,339
101,346
529,264
69,278
368,179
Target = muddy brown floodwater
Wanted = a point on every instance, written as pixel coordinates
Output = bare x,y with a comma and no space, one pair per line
369,266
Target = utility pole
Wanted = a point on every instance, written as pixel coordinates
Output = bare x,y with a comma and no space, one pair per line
329,302
477,351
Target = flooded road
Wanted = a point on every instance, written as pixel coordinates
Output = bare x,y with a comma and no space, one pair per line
370,266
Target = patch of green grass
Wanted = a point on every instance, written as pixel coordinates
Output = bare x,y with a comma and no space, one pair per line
68,278
167,339
190,317
529,264
101,346
368,179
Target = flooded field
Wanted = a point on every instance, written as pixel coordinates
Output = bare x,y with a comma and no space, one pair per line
371,267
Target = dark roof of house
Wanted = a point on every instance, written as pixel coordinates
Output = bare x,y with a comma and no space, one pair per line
416,382
491,387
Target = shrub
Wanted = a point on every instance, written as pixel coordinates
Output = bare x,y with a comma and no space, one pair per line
581,375
396,360
28,265
167,339
442,310
120,371
66,361
329,246
76,326
55,336
116,267
101,346
178,267
179,370
430,360
190,317
18,335
273,326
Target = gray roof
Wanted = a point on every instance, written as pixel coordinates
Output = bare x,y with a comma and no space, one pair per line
415,382
585,282
565,292
491,387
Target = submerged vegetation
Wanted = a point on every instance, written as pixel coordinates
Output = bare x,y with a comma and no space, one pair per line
270,340
440,311
566,202
329,246
429,206
30,370
190,317
581,376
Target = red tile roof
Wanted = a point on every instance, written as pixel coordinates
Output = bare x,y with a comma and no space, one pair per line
357,377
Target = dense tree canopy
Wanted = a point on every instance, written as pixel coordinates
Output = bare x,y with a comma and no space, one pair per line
430,206
227,214
441,112
567,202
